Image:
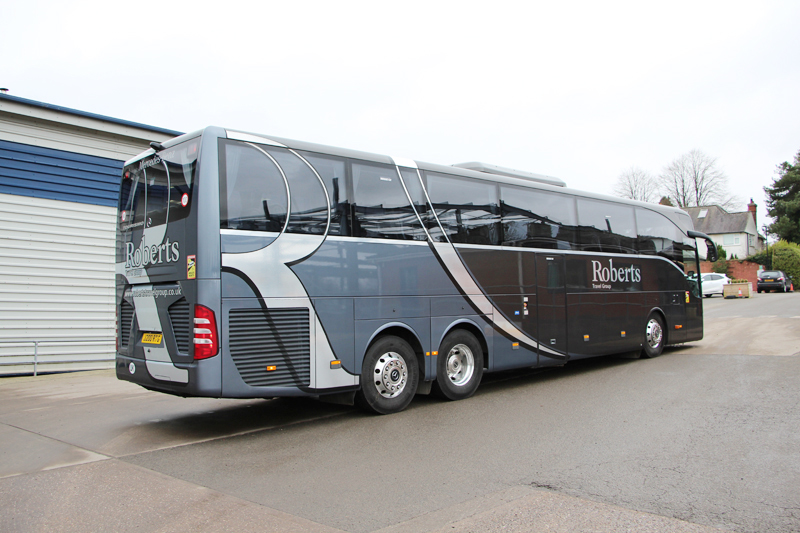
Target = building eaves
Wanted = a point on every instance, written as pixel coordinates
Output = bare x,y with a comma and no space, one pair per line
86,114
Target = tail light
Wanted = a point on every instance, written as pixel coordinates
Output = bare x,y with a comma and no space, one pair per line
206,341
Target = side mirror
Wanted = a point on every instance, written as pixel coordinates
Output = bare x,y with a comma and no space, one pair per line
711,248
711,251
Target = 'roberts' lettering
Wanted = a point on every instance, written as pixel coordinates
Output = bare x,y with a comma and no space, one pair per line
610,274
151,255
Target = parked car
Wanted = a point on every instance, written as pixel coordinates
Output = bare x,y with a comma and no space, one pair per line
773,280
712,283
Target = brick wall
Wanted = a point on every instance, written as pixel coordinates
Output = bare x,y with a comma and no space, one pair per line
736,270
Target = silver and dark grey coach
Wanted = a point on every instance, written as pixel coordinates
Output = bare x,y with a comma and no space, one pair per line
250,266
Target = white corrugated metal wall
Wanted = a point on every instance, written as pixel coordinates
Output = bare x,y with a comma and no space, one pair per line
56,284
57,233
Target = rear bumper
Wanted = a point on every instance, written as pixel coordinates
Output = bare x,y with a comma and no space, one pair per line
184,380
203,379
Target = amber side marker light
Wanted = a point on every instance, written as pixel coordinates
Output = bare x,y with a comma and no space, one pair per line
678,326
272,368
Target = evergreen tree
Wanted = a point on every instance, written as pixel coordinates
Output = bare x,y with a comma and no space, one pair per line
783,202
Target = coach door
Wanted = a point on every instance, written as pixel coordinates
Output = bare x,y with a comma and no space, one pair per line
552,303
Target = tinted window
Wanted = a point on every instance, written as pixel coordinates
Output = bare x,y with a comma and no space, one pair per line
380,204
332,172
537,219
152,190
606,227
414,188
253,192
309,203
468,210
657,235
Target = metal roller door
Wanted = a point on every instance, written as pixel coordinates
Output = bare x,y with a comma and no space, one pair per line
56,285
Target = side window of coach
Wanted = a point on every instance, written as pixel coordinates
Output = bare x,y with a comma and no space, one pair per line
380,204
606,226
657,235
469,210
537,219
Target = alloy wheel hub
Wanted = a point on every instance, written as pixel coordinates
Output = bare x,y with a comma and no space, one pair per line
391,374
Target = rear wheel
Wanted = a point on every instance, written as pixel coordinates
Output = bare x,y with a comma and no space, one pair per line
459,366
389,376
654,336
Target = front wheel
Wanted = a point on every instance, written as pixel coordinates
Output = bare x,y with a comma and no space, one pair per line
654,336
389,376
459,366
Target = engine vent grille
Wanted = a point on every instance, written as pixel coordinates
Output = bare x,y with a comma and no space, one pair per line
180,316
125,323
260,339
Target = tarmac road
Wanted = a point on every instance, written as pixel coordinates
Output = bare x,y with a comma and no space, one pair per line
704,437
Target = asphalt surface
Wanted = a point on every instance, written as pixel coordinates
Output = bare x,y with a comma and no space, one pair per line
703,437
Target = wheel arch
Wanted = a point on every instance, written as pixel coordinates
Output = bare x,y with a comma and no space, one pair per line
403,331
473,328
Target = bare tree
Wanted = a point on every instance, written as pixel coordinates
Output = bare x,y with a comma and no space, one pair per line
636,184
693,179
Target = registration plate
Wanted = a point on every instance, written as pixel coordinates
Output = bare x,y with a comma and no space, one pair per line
151,338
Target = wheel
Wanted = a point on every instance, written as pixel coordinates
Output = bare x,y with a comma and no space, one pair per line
707,295
654,336
459,366
783,288
389,376
759,291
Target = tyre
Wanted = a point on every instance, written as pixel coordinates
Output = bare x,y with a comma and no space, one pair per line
707,295
459,366
389,376
654,336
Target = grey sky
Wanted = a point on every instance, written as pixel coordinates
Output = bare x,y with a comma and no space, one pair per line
577,90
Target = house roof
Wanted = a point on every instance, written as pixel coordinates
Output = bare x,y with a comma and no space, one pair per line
716,220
